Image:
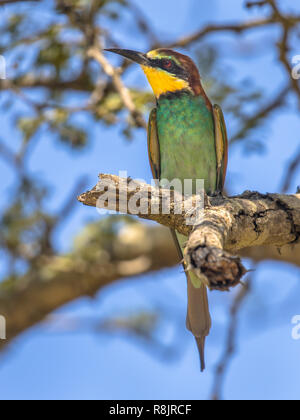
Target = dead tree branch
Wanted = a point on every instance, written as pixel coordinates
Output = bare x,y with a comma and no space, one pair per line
247,220
226,226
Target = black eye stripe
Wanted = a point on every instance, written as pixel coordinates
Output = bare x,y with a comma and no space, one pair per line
164,64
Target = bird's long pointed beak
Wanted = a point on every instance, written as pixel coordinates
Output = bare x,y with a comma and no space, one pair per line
135,56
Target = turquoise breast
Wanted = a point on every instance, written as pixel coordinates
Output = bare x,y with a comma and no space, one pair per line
187,140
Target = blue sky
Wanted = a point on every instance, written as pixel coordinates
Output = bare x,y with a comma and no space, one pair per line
45,364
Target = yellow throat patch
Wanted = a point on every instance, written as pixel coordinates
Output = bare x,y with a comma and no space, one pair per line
162,82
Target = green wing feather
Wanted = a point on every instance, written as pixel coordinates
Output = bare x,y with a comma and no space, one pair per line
154,158
221,146
153,145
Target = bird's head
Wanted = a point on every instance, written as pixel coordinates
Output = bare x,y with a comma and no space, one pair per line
167,71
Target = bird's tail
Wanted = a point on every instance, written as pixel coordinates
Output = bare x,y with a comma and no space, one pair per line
198,319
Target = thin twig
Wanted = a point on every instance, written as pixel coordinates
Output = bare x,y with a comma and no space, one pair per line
119,85
8,155
284,49
262,113
6,2
259,3
230,27
291,171
283,45
230,348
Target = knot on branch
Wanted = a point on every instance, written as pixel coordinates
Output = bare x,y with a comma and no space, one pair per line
221,269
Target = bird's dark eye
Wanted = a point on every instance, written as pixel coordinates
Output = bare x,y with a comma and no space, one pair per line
167,64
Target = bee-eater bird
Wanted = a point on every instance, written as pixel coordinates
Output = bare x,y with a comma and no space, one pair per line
187,139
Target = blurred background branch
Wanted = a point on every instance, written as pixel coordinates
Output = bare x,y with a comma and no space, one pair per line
102,255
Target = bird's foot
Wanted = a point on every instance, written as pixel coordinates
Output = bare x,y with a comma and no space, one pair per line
218,194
